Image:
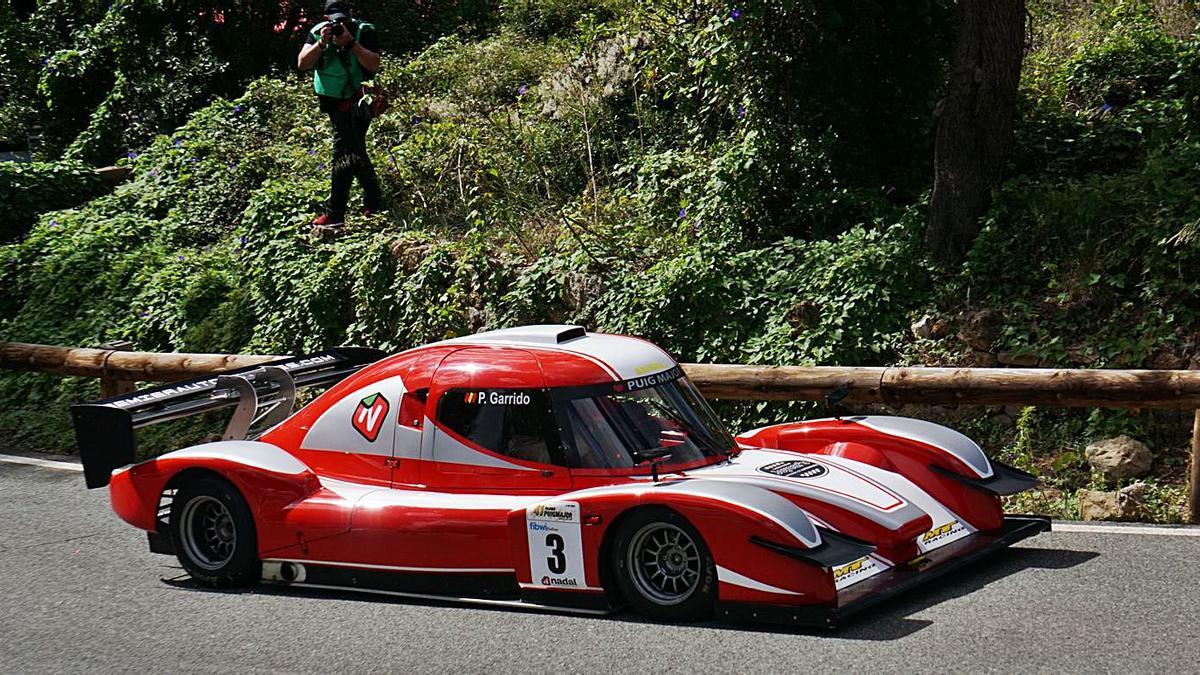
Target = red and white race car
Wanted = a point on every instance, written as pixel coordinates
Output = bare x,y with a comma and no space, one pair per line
547,467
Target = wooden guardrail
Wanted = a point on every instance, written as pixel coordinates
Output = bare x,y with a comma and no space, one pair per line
1179,389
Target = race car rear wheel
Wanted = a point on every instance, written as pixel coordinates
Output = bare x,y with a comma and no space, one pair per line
664,569
213,533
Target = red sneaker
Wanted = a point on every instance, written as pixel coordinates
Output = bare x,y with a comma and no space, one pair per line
325,220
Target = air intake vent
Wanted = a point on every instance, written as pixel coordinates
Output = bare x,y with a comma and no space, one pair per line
571,334
543,334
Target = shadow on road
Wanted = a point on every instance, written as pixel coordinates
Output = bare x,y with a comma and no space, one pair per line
889,621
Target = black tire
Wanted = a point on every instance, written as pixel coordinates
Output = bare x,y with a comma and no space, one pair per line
213,533
658,538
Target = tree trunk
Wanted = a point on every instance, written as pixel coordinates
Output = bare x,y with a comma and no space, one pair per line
974,129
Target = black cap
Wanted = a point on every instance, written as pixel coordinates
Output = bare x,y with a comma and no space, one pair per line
337,10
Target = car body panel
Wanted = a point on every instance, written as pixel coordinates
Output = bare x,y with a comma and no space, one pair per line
389,481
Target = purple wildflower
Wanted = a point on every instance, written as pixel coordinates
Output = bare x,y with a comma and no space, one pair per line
182,257
741,111
237,108
522,90
312,152
177,143
45,60
193,160
682,214
735,14
1105,108
243,244
54,223
131,154
321,166
143,314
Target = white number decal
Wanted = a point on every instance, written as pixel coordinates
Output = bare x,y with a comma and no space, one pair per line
555,545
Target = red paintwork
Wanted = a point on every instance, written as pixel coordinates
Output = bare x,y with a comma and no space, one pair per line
417,513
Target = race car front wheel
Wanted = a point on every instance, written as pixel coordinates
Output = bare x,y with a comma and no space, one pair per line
213,533
663,567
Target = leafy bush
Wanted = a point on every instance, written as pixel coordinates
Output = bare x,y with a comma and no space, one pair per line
542,19
29,190
802,303
1135,61
1110,264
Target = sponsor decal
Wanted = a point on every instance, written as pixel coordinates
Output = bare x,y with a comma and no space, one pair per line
551,581
855,571
567,513
652,367
368,416
542,527
498,398
855,566
941,533
795,468
649,380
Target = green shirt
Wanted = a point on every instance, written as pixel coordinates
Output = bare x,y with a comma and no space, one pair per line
339,74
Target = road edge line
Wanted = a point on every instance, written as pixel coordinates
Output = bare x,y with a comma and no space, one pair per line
1154,530
46,463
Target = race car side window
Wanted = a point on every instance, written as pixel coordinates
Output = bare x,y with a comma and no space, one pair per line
517,423
412,408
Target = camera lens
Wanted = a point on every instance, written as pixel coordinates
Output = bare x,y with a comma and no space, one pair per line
337,29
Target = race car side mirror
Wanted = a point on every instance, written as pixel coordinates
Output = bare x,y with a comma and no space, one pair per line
412,408
833,401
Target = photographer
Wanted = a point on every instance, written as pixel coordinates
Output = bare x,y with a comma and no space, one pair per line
344,52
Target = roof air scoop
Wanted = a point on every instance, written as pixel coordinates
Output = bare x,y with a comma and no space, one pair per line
550,334
572,333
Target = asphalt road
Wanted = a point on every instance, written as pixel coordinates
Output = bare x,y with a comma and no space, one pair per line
79,592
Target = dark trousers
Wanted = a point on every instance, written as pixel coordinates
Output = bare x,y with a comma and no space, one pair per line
350,161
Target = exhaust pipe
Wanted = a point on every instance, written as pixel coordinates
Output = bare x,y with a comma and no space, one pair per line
282,572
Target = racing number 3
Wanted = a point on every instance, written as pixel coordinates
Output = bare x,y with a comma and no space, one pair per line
557,562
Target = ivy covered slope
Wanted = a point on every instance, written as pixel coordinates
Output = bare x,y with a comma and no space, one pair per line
1090,257
738,185
92,80
28,190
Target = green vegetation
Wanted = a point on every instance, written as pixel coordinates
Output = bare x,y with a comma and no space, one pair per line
28,190
740,184
93,80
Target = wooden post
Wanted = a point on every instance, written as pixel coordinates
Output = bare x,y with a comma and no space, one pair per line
1194,474
112,176
112,386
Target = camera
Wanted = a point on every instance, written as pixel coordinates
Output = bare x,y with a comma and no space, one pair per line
337,29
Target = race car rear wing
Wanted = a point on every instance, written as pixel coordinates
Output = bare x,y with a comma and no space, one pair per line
263,396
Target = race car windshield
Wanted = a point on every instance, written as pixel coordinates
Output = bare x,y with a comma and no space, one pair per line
624,425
